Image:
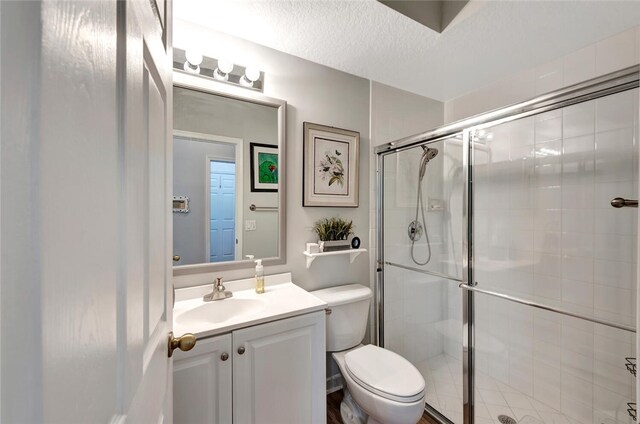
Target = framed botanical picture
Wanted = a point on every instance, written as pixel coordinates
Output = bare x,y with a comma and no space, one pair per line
264,167
330,174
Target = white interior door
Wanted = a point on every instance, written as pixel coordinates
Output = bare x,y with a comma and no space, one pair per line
85,202
147,181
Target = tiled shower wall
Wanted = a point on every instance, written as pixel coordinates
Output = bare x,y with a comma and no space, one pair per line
544,230
416,320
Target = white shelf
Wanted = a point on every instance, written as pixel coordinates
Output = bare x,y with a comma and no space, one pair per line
353,254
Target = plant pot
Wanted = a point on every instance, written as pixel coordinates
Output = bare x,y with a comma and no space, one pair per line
333,245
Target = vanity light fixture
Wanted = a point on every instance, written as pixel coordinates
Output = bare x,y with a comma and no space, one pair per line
194,59
251,75
223,70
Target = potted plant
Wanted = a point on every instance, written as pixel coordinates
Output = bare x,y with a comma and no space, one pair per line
333,233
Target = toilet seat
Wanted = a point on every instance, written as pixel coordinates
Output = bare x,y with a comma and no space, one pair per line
385,373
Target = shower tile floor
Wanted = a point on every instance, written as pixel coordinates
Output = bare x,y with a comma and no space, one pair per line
443,380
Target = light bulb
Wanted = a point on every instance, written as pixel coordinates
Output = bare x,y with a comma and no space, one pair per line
194,69
252,74
225,66
222,71
194,57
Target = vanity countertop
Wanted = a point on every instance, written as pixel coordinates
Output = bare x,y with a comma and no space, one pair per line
282,299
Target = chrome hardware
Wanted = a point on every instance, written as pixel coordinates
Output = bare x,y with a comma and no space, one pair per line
224,356
176,258
415,230
620,202
630,363
219,292
254,208
328,311
547,308
185,342
632,410
241,350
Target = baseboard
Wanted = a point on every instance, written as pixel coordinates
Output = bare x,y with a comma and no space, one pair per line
334,383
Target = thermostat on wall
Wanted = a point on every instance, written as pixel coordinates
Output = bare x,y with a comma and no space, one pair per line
180,204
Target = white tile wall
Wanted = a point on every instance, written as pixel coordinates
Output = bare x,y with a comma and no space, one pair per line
566,246
422,313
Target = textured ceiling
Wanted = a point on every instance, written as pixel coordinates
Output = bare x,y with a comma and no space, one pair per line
489,41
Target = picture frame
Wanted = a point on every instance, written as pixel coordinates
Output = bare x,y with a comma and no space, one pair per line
330,166
264,167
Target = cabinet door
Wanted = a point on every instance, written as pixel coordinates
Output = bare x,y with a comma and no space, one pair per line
202,383
280,376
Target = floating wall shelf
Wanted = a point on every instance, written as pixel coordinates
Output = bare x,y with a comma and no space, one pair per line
353,254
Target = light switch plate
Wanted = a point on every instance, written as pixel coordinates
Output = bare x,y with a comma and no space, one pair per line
250,225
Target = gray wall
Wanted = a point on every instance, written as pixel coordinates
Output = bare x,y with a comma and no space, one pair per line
189,179
215,115
318,94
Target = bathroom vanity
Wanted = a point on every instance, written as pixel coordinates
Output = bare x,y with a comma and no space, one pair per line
258,358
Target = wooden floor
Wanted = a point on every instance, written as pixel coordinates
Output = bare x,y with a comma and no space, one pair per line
333,410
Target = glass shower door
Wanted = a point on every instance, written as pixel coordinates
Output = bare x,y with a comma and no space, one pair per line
545,232
422,211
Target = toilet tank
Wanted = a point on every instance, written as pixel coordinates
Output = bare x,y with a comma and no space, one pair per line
347,322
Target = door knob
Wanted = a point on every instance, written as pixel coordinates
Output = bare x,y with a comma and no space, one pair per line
185,342
241,350
224,356
176,258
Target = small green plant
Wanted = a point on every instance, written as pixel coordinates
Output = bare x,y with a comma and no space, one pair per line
330,229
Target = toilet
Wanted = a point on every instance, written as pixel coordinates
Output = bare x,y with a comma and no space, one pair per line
380,386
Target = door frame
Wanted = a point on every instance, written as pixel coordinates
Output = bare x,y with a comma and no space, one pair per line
238,144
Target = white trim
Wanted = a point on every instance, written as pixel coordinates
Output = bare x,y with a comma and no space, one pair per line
238,144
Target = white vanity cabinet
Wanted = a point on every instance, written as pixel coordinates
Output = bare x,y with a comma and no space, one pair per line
202,380
275,373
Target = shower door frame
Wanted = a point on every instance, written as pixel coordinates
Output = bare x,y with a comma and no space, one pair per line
609,84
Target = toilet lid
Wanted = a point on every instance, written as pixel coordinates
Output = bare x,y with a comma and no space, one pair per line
385,373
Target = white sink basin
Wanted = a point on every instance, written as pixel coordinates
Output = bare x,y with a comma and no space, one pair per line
246,308
219,311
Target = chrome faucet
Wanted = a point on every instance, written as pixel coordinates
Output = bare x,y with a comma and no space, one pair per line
218,293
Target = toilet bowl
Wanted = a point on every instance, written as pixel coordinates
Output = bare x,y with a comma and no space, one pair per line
385,386
380,386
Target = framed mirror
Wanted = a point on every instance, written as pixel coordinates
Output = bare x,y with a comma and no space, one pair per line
228,176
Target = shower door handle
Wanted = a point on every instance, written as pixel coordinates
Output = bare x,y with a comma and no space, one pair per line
620,202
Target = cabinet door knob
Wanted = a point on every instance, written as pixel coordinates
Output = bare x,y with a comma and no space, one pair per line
241,350
224,356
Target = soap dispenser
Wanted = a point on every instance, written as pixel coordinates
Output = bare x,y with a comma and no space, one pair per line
259,277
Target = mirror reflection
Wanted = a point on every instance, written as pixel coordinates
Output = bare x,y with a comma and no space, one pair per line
225,181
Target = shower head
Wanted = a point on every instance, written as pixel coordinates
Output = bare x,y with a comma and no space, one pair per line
430,152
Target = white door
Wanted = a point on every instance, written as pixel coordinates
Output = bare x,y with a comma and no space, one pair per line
222,207
86,229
